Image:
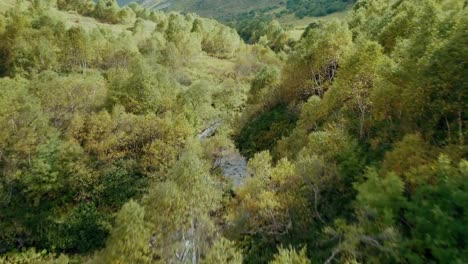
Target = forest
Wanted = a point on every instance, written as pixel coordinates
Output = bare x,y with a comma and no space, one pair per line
130,135
302,8
234,10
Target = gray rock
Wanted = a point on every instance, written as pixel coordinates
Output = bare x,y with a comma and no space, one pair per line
234,166
208,132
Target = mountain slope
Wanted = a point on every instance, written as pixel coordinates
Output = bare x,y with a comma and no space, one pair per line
123,131
231,9
220,9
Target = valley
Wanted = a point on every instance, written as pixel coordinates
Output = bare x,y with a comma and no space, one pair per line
233,132
287,11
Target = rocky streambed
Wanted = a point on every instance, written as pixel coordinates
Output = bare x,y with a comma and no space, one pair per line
233,165
231,162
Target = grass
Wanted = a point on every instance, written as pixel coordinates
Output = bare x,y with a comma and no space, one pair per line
298,25
210,68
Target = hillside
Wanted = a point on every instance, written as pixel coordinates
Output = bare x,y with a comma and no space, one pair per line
224,9
131,135
229,10
247,16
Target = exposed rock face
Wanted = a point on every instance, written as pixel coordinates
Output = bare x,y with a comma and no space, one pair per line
234,166
210,130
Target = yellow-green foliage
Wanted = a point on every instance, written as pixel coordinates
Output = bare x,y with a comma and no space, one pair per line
94,113
290,256
223,251
32,256
128,241
104,158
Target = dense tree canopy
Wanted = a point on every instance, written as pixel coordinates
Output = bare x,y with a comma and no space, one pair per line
119,129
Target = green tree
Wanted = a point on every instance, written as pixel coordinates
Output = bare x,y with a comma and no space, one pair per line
374,236
76,51
313,65
63,97
108,11
143,89
355,84
199,106
33,256
290,256
83,7
187,198
223,251
129,238
30,42
436,215
23,128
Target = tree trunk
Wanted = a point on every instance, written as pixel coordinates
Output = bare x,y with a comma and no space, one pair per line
460,128
194,245
448,129
361,126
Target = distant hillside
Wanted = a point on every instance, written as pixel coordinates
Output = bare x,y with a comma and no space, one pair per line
233,9
224,8
303,8
219,9
143,2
